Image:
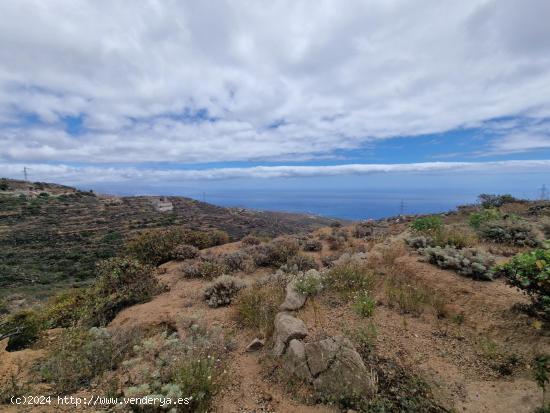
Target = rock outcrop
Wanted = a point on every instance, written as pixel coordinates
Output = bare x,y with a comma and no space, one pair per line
287,328
294,300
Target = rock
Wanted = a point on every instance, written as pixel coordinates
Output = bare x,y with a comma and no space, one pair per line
287,328
294,360
255,345
320,354
345,375
294,300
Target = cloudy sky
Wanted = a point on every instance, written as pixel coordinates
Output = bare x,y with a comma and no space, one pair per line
149,94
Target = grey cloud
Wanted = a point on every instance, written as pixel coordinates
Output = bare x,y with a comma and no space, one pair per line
385,68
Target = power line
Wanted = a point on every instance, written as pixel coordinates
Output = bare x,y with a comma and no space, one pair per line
402,207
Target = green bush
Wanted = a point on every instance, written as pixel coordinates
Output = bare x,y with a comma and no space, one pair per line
349,277
364,304
165,365
530,272
496,201
157,246
427,225
310,284
23,328
509,232
476,219
468,261
121,282
65,309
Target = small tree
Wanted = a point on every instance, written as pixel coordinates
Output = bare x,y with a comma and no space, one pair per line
530,272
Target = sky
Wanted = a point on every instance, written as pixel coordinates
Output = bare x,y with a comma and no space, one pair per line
188,97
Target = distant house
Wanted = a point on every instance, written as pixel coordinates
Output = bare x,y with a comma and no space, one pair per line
162,204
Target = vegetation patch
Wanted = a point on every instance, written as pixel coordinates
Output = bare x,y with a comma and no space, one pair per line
256,306
530,272
468,261
222,290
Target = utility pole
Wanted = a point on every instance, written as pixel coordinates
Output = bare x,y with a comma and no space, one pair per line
543,193
25,169
204,197
402,207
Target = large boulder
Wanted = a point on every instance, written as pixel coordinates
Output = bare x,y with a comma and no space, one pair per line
338,370
295,362
287,328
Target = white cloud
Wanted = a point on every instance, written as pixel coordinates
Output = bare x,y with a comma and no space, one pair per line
340,75
89,175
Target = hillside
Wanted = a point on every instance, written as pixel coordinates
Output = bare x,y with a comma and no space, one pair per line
413,314
51,233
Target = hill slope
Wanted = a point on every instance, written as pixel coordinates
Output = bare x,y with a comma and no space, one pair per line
50,232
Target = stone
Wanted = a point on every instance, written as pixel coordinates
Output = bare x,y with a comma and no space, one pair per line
346,375
320,354
287,328
294,300
295,362
255,345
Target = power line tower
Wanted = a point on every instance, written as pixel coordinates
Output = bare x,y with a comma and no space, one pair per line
543,193
25,170
402,207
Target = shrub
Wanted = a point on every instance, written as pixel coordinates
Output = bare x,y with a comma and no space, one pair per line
364,304
217,237
78,355
238,261
420,241
363,230
530,272
496,201
309,284
476,219
166,366
349,277
4,186
276,252
468,261
222,290
508,232
23,328
256,307
313,245
427,225
455,237
185,252
121,282
336,243
65,309
206,268
157,246
300,262
251,240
